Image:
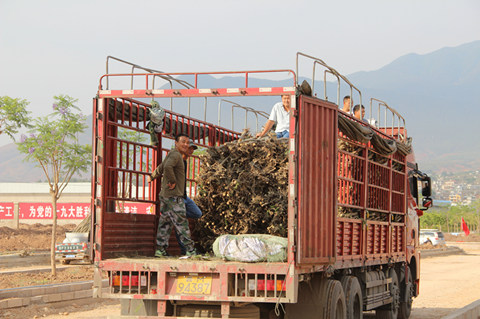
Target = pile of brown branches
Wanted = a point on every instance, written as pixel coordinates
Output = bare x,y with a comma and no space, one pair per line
243,189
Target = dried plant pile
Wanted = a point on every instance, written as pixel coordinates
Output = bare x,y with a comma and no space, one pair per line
84,226
243,189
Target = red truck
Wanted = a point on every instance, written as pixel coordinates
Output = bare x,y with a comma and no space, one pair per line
353,206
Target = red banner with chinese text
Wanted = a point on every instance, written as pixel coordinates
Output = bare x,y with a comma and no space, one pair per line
44,210
74,210
6,210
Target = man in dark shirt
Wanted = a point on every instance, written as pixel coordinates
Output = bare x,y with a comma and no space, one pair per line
172,199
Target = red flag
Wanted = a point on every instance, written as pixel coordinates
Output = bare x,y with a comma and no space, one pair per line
465,228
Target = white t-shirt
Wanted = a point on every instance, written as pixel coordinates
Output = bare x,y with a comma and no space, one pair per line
280,117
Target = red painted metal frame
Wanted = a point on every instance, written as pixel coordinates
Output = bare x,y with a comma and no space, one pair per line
126,233
166,272
320,239
121,168
367,186
145,92
316,167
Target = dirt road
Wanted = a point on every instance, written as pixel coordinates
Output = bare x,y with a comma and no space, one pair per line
448,283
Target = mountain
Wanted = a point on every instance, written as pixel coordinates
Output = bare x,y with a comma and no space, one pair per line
13,167
435,93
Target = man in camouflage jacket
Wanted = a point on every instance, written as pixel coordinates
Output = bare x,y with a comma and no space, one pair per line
172,199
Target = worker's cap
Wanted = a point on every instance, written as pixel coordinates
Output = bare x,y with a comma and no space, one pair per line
190,144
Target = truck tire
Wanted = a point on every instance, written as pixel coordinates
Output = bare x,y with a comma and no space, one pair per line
333,301
353,297
390,311
200,311
406,306
65,262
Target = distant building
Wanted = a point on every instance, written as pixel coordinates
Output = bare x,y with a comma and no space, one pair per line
455,198
448,185
442,203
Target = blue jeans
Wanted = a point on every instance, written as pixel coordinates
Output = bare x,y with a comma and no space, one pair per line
192,209
192,212
282,134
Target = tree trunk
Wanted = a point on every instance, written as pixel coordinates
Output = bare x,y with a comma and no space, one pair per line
54,235
448,225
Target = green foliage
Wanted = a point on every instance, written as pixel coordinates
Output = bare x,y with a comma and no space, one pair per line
449,219
53,144
13,115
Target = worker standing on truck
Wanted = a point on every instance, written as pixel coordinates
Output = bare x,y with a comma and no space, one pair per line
359,112
280,115
347,104
172,200
192,209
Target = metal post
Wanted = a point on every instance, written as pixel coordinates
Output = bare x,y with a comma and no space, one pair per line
16,215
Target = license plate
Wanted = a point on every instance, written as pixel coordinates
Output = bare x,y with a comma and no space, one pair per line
194,285
70,256
70,247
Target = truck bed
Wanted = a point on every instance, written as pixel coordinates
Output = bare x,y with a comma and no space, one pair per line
160,278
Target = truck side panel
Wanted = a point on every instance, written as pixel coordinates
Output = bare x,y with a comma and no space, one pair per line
371,227
317,149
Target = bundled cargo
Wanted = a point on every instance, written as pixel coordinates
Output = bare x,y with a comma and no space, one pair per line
243,189
251,248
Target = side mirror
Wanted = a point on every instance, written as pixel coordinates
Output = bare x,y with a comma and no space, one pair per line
426,186
427,202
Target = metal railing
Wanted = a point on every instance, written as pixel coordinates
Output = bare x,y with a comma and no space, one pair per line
247,110
152,74
134,66
165,77
331,71
385,113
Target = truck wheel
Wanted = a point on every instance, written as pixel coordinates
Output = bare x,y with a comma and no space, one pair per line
65,262
353,297
333,302
390,311
406,306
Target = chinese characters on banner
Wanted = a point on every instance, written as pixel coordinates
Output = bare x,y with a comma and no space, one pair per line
67,210
135,208
44,210
6,210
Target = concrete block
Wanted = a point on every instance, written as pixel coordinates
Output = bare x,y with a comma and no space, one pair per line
37,300
64,289
7,294
67,295
30,292
3,304
83,294
52,298
471,311
26,302
37,291
14,302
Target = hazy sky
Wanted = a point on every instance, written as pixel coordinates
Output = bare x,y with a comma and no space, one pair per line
60,47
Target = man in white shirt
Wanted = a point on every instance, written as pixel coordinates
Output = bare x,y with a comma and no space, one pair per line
347,104
280,115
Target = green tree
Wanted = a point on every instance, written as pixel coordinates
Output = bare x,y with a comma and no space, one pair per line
13,115
53,145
